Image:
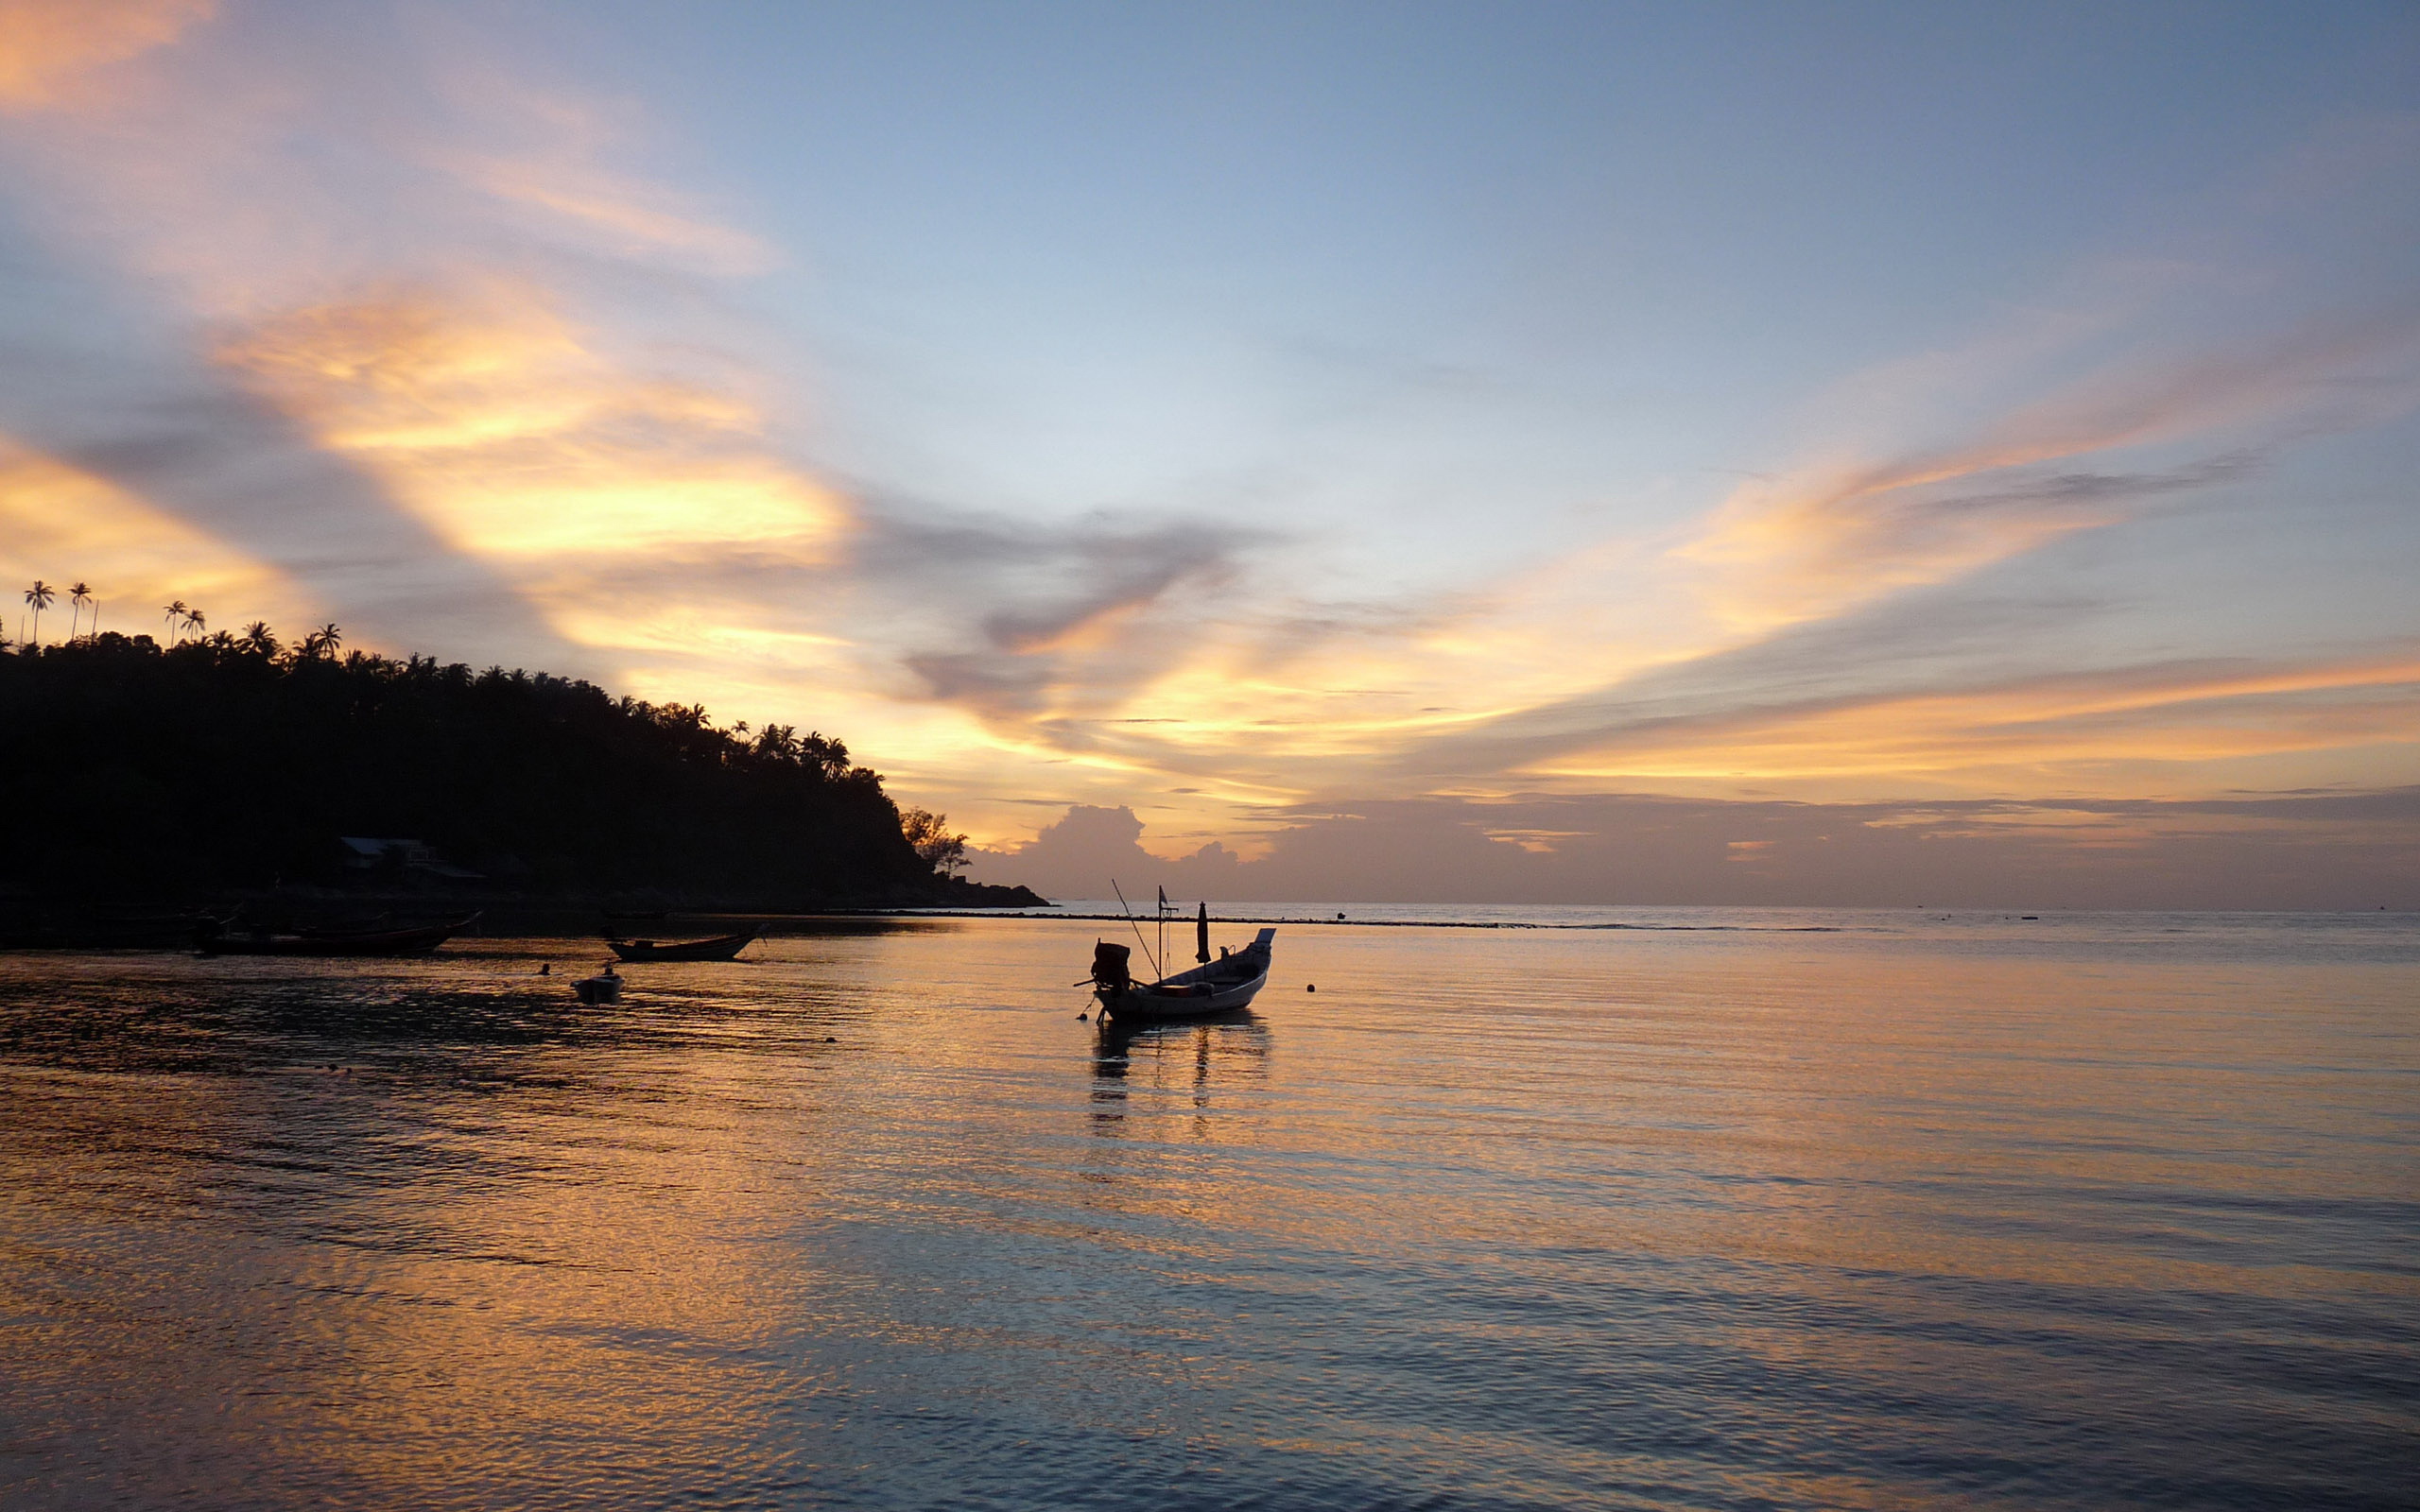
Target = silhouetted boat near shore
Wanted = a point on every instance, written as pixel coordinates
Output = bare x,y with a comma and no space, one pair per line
214,939
720,947
1222,986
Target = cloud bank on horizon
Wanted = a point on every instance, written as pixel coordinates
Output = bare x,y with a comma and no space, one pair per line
1360,449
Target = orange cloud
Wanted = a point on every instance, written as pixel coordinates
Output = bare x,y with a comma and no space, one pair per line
425,325
629,217
1813,546
511,432
1817,543
1830,537
2069,733
51,49
554,153
60,523
619,210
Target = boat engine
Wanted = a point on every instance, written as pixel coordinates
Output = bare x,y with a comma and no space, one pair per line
1109,967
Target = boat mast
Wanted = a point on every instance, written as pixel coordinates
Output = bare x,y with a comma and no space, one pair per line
1136,927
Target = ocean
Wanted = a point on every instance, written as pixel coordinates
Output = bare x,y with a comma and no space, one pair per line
1603,1208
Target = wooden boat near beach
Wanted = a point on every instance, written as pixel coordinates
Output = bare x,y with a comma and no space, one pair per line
213,938
720,947
1222,986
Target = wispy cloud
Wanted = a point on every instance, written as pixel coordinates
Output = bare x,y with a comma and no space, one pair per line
2086,732
53,51
410,339
53,514
518,438
1830,537
551,158
1033,627
430,363
1632,649
1809,548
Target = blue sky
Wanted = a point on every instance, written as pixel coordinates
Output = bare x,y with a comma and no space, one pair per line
1236,415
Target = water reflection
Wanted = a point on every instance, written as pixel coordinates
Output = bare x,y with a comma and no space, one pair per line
1691,1220
1194,1055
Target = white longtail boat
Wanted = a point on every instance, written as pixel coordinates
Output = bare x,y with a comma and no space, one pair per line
1221,986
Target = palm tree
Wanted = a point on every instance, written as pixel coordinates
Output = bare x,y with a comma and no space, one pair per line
197,622
259,639
329,637
78,597
40,596
176,610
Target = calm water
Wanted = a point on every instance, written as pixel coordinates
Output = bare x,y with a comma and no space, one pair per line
1840,1210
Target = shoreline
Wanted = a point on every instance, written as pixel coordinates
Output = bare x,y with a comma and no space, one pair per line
1340,923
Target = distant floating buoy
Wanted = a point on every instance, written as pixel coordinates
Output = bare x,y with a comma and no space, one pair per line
1309,987
1339,919
831,1038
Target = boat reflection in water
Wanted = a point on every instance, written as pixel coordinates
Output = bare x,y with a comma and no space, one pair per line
1196,1056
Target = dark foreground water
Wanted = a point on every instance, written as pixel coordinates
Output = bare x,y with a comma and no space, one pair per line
1914,1213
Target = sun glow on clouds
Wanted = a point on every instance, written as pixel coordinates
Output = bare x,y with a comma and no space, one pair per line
518,440
446,333
448,337
1540,683
51,49
53,513
2068,734
561,172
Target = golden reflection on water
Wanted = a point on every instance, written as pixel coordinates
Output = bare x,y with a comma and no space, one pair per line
1853,1219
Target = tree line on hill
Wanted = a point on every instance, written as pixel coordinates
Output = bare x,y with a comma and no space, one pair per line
135,770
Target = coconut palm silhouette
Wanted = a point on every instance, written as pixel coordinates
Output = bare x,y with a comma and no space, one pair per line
175,609
40,596
259,639
197,622
78,596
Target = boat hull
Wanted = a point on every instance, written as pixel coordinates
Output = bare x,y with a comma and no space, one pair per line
367,942
1220,986
1143,1005
720,947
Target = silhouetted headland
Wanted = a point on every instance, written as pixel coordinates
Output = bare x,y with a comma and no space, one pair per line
226,769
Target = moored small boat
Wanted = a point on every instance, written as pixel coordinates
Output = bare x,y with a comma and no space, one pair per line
720,947
605,986
214,939
1222,986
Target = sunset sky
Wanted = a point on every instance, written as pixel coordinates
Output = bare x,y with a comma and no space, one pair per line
1662,452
